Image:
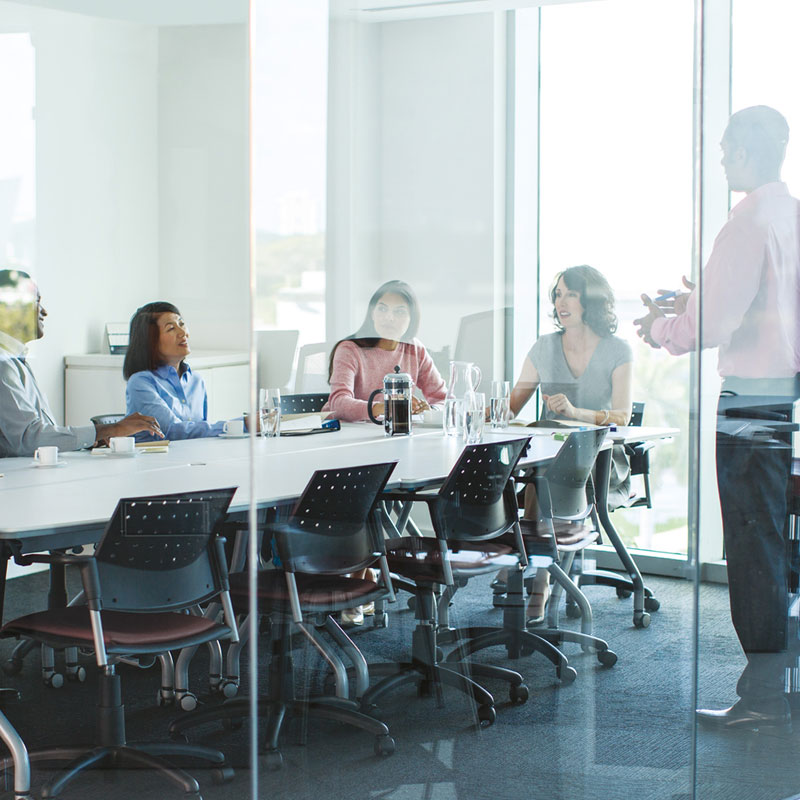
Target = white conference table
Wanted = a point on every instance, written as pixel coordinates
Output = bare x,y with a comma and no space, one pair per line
45,508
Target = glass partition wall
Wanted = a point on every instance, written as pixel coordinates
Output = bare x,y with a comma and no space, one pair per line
266,167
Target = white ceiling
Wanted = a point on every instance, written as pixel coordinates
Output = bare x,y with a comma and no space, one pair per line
154,12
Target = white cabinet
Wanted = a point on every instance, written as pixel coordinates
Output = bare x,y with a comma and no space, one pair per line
93,384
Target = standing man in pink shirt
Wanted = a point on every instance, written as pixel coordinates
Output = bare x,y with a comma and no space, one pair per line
749,310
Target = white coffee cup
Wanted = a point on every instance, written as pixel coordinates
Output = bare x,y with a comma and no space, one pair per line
234,427
46,456
124,445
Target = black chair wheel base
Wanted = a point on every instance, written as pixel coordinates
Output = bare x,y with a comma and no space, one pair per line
573,610
486,715
13,666
651,604
641,619
54,680
498,600
77,675
623,593
222,775
607,658
273,760
384,745
518,694
566,674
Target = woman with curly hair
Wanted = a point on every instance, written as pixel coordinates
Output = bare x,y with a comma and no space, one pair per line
584,372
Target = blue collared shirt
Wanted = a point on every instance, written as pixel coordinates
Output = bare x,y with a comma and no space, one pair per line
179,403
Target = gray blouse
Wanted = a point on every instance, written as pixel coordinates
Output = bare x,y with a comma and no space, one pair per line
593,388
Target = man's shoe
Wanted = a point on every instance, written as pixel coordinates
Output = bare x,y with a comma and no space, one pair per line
740,717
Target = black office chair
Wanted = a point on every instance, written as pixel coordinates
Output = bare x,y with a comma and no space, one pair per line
158,557
565,526
332,531
474,506
106,419
638,454
303,403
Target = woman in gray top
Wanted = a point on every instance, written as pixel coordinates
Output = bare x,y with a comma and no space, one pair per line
584,372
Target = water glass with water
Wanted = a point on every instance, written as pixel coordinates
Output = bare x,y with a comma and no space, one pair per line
269,409
453,419
499,404
474,417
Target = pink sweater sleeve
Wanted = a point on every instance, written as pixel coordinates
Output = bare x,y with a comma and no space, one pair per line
347,378
429,380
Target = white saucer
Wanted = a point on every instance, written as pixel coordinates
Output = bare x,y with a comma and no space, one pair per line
122,455
234,436
60,463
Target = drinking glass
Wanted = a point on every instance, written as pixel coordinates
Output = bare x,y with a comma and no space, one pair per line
499,404
453,419
269,409
474,416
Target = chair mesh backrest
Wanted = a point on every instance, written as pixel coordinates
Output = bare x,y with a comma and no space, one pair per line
331,528
567,474
637,414
303,403
157,551
474,503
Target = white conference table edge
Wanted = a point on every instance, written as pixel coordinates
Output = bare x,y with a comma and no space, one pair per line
42,502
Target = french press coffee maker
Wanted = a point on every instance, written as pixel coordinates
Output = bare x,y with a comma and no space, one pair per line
397,389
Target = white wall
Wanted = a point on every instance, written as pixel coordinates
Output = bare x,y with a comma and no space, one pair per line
141,179
204,181
96,181
421,199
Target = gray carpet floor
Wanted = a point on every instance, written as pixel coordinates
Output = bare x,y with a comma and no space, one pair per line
617,733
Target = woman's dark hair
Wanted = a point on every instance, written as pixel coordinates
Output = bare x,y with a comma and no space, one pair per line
142,351
366,335
596,298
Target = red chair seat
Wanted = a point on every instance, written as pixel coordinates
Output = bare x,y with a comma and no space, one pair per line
419,558
316,592
122,632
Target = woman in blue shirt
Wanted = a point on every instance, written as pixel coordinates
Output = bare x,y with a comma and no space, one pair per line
160,380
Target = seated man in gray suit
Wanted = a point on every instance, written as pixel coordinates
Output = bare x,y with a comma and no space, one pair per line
26,421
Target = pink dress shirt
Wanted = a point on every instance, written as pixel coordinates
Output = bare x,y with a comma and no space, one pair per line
750,290
358,371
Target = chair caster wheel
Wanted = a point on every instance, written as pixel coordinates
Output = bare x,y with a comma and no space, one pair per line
384,745
77,675
486,716
518,694
54,681
228,688
164,698
607,658
380,621
13,666
273,760
187,702
411,603
566,674
641,620
222,775
573,611
651,604
623,593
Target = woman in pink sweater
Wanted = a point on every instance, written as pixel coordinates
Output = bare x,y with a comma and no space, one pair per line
384,340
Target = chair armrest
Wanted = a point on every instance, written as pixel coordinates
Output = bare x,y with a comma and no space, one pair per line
410,495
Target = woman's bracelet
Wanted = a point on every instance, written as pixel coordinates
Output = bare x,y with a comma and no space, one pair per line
606,415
